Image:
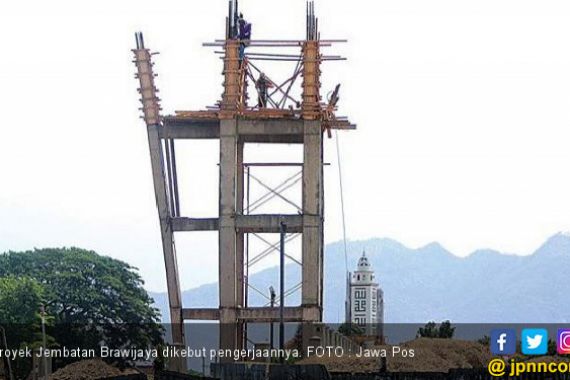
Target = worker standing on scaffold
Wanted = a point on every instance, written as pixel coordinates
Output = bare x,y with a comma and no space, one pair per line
244,35
263,84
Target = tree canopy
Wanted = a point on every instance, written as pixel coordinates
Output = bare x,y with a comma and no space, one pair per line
20,298
97,298
431,330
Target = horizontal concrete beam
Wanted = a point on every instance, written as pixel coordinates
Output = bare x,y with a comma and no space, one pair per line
272,139
270,314
248,223
189,129
269,223
201,314
253,131
192,224
253,314
270,127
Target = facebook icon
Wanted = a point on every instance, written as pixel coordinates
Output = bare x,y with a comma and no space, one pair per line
503,342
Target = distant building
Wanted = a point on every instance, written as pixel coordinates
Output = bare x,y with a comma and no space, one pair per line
365,299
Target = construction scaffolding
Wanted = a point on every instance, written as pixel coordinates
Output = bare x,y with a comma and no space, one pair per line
277,117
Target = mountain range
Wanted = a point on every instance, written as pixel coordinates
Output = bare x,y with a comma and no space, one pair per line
430,283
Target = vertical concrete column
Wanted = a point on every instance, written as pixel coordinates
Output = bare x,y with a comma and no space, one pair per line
170,262
227,234
151,112
240,245
327,336
321,225
312,220
239,211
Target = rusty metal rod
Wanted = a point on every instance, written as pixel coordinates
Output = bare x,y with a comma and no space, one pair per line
167,158
295,60
270,249
273,83
335,40
283,232
290,58
294,78
175,178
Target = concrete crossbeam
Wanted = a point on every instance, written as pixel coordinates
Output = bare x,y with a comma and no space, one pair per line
201,314
270,127
252,314
190,129
250,223
269,223
253,131
270,314
193,224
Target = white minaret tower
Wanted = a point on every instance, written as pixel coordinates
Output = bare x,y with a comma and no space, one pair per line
366,299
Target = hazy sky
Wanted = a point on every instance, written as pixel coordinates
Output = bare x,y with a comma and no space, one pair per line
462,110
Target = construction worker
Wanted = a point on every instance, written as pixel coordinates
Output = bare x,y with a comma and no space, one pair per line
244,34
262,84
244,28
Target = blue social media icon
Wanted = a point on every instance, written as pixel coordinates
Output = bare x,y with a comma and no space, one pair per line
534,341
503,342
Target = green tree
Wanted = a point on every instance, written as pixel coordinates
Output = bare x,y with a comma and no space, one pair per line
485,340
20,300
445,330
552,348
431,330
91,298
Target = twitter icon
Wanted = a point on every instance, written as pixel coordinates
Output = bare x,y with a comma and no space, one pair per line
534,341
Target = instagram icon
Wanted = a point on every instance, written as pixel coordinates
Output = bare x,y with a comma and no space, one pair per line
563,346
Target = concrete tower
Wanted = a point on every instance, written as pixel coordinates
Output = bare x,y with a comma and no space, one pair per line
366,299
298,118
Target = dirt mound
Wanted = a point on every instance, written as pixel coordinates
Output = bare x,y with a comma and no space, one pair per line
87,370
430,355
441,355
348,363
